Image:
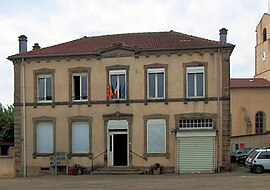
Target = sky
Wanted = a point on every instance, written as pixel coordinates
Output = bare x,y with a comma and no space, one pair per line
52,22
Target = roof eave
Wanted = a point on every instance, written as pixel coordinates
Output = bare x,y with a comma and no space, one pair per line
231,46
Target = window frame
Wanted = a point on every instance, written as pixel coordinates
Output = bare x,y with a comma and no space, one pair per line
36,121
264,34
146,83
40,72
156,117
194,116
82,74
80,119
116,68
72,137
155,71
185,86
45,76
78,71
262,122
118,73
195,71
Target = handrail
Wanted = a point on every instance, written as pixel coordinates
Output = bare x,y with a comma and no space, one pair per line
97,157
138,155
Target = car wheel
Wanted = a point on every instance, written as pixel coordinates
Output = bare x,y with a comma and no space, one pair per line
258,169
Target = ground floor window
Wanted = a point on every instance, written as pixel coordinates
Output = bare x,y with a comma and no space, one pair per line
156,136
80,137
44,138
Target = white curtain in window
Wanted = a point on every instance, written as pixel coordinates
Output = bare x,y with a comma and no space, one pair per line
156,136
44,138
80,137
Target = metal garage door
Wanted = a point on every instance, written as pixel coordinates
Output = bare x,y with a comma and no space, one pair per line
196,154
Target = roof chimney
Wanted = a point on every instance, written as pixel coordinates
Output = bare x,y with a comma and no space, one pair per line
22,44
36,46
223,35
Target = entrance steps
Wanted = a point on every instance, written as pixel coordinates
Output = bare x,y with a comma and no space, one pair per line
117,171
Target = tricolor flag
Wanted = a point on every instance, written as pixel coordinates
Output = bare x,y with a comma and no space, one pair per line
116,91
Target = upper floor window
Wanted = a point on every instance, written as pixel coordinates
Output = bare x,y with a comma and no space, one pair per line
264,34
156,83
80,86
259,124
44,92
195,82
117,85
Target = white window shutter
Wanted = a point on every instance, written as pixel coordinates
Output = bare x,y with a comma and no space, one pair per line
44,138
80,137
156,136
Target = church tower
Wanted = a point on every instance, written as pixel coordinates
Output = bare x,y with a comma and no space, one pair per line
262,49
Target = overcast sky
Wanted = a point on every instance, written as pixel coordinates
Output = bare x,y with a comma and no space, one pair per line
52,22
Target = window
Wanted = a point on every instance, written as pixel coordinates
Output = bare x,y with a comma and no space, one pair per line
156,136
259,122
44,138
264,35
44,92
195,123
156,83
80,86
117,81
80,137
44,86
264,155
195,82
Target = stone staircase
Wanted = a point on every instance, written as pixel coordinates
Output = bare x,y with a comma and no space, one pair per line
117,171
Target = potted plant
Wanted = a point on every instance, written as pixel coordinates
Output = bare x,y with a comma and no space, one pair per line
156,169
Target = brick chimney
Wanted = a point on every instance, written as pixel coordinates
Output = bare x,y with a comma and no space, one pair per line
22,44
223,35
36,46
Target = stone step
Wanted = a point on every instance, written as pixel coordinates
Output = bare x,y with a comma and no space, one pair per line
117,171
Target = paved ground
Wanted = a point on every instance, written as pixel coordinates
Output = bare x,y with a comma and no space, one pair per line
239,178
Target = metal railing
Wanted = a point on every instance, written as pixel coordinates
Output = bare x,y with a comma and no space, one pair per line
138,155
97,157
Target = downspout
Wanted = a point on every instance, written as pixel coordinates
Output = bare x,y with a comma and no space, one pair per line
219,78
24,119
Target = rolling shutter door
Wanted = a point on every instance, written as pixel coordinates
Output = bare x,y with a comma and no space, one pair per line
196,154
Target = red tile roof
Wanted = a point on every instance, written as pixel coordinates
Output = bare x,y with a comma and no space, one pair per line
250,83
151,41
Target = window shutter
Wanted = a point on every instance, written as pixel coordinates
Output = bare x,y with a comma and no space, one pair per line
80,138
156,136
44,138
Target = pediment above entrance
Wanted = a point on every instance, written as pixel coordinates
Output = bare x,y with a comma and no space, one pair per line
118,116
117,49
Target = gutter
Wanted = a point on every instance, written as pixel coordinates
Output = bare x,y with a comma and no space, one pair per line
141,50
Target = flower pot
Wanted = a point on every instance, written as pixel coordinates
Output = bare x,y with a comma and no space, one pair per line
156,171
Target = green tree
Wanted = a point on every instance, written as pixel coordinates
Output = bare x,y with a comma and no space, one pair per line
6,123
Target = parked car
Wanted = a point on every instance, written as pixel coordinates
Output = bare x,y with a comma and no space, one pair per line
258,161
241,158
235,154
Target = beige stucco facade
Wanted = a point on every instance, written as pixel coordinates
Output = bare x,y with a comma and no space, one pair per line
245,103
136,109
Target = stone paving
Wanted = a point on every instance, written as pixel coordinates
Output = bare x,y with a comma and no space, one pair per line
239,178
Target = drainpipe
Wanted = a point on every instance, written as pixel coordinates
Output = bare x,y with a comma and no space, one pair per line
24,118
219,78
23,49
